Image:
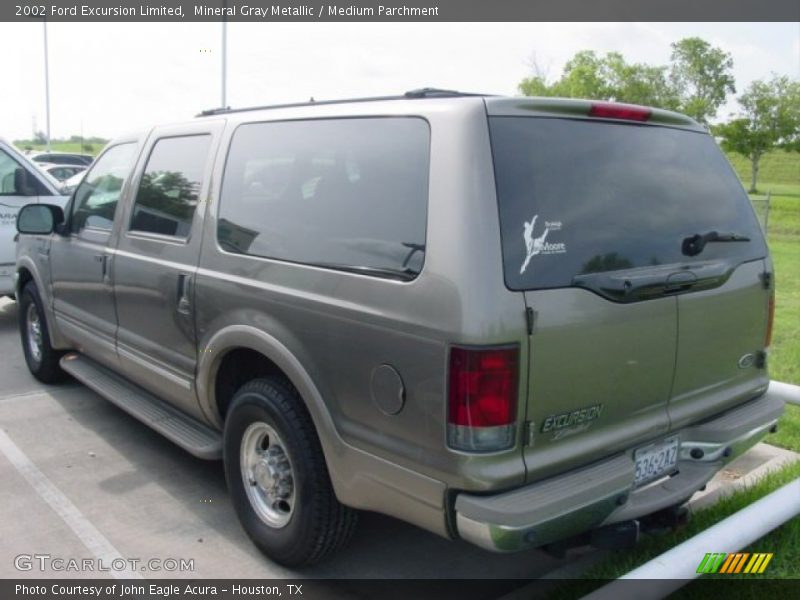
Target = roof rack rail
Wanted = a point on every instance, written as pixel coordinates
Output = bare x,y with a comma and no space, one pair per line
427,92
213,111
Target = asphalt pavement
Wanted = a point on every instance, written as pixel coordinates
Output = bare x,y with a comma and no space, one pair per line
80,479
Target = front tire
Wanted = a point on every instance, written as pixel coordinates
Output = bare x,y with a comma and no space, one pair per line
278,478
41,358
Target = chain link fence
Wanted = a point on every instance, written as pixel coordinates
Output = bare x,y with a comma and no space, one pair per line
761,206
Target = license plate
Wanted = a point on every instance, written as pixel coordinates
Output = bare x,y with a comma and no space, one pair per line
655,460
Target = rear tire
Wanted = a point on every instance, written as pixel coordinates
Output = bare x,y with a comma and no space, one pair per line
278,478
42,359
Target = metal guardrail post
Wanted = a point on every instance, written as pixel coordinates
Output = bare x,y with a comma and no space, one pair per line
788,393
766,214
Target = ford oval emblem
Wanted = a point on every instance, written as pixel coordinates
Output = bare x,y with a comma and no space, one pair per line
747,361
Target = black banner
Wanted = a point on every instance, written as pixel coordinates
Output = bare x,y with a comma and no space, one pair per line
402,10
383,589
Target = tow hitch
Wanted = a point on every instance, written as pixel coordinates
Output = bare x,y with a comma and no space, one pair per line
668,519
617,536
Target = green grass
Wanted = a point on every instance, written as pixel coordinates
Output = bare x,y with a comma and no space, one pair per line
784,243
784,542
74,147
776,167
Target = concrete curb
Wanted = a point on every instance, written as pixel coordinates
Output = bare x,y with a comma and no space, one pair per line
731,478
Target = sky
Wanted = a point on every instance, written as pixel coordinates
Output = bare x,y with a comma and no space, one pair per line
110,78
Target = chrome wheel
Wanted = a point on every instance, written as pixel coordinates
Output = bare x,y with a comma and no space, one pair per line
34,328
267,474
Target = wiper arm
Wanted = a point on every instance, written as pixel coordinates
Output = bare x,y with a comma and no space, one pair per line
401,275
694,244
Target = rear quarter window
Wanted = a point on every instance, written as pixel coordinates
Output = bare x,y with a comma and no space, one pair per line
584,196
338,193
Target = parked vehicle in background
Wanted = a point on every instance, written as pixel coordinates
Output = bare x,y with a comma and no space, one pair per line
70,185
509,320
62,158
61,172
21,183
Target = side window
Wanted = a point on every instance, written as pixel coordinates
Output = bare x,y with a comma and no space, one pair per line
170,187
97,196
350,194
15,179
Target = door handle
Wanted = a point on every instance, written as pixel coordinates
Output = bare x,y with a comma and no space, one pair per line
184,293
103,260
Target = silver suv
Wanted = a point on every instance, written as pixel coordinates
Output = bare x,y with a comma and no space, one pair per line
509,320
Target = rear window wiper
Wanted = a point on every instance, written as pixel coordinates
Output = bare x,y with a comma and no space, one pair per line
386,273
694,244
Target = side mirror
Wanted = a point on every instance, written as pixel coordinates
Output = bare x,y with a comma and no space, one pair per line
39,219
21,184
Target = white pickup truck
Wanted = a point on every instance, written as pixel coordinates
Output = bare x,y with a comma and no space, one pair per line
21,183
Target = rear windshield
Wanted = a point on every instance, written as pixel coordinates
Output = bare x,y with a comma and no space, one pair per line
579,197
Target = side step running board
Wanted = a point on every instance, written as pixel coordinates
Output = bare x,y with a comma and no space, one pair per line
191,435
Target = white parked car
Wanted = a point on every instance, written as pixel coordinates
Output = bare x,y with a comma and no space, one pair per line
69,185
62,158
61,172
21,182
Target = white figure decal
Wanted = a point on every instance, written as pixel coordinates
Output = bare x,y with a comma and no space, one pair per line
533,245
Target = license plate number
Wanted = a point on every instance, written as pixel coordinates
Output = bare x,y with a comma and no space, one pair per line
656,460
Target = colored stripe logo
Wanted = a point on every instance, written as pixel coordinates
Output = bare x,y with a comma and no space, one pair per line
737,562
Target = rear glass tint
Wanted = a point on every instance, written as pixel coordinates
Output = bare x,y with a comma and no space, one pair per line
347,193
581,196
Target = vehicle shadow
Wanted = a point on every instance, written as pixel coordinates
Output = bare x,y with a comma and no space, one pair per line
8,317
382,547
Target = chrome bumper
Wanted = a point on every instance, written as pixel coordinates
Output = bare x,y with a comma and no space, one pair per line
604,493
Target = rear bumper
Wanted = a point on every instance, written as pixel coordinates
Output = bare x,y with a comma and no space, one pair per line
604,493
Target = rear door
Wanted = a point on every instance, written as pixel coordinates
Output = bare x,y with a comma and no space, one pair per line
724,318
721,350
595,214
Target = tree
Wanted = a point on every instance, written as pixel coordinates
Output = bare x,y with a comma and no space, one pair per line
702,77
770,118
638,83
610,77
582,78
696,82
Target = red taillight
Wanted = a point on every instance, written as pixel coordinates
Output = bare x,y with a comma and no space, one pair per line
770,320
482,397
619,111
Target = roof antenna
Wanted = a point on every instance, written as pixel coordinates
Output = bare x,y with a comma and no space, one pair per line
311,99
